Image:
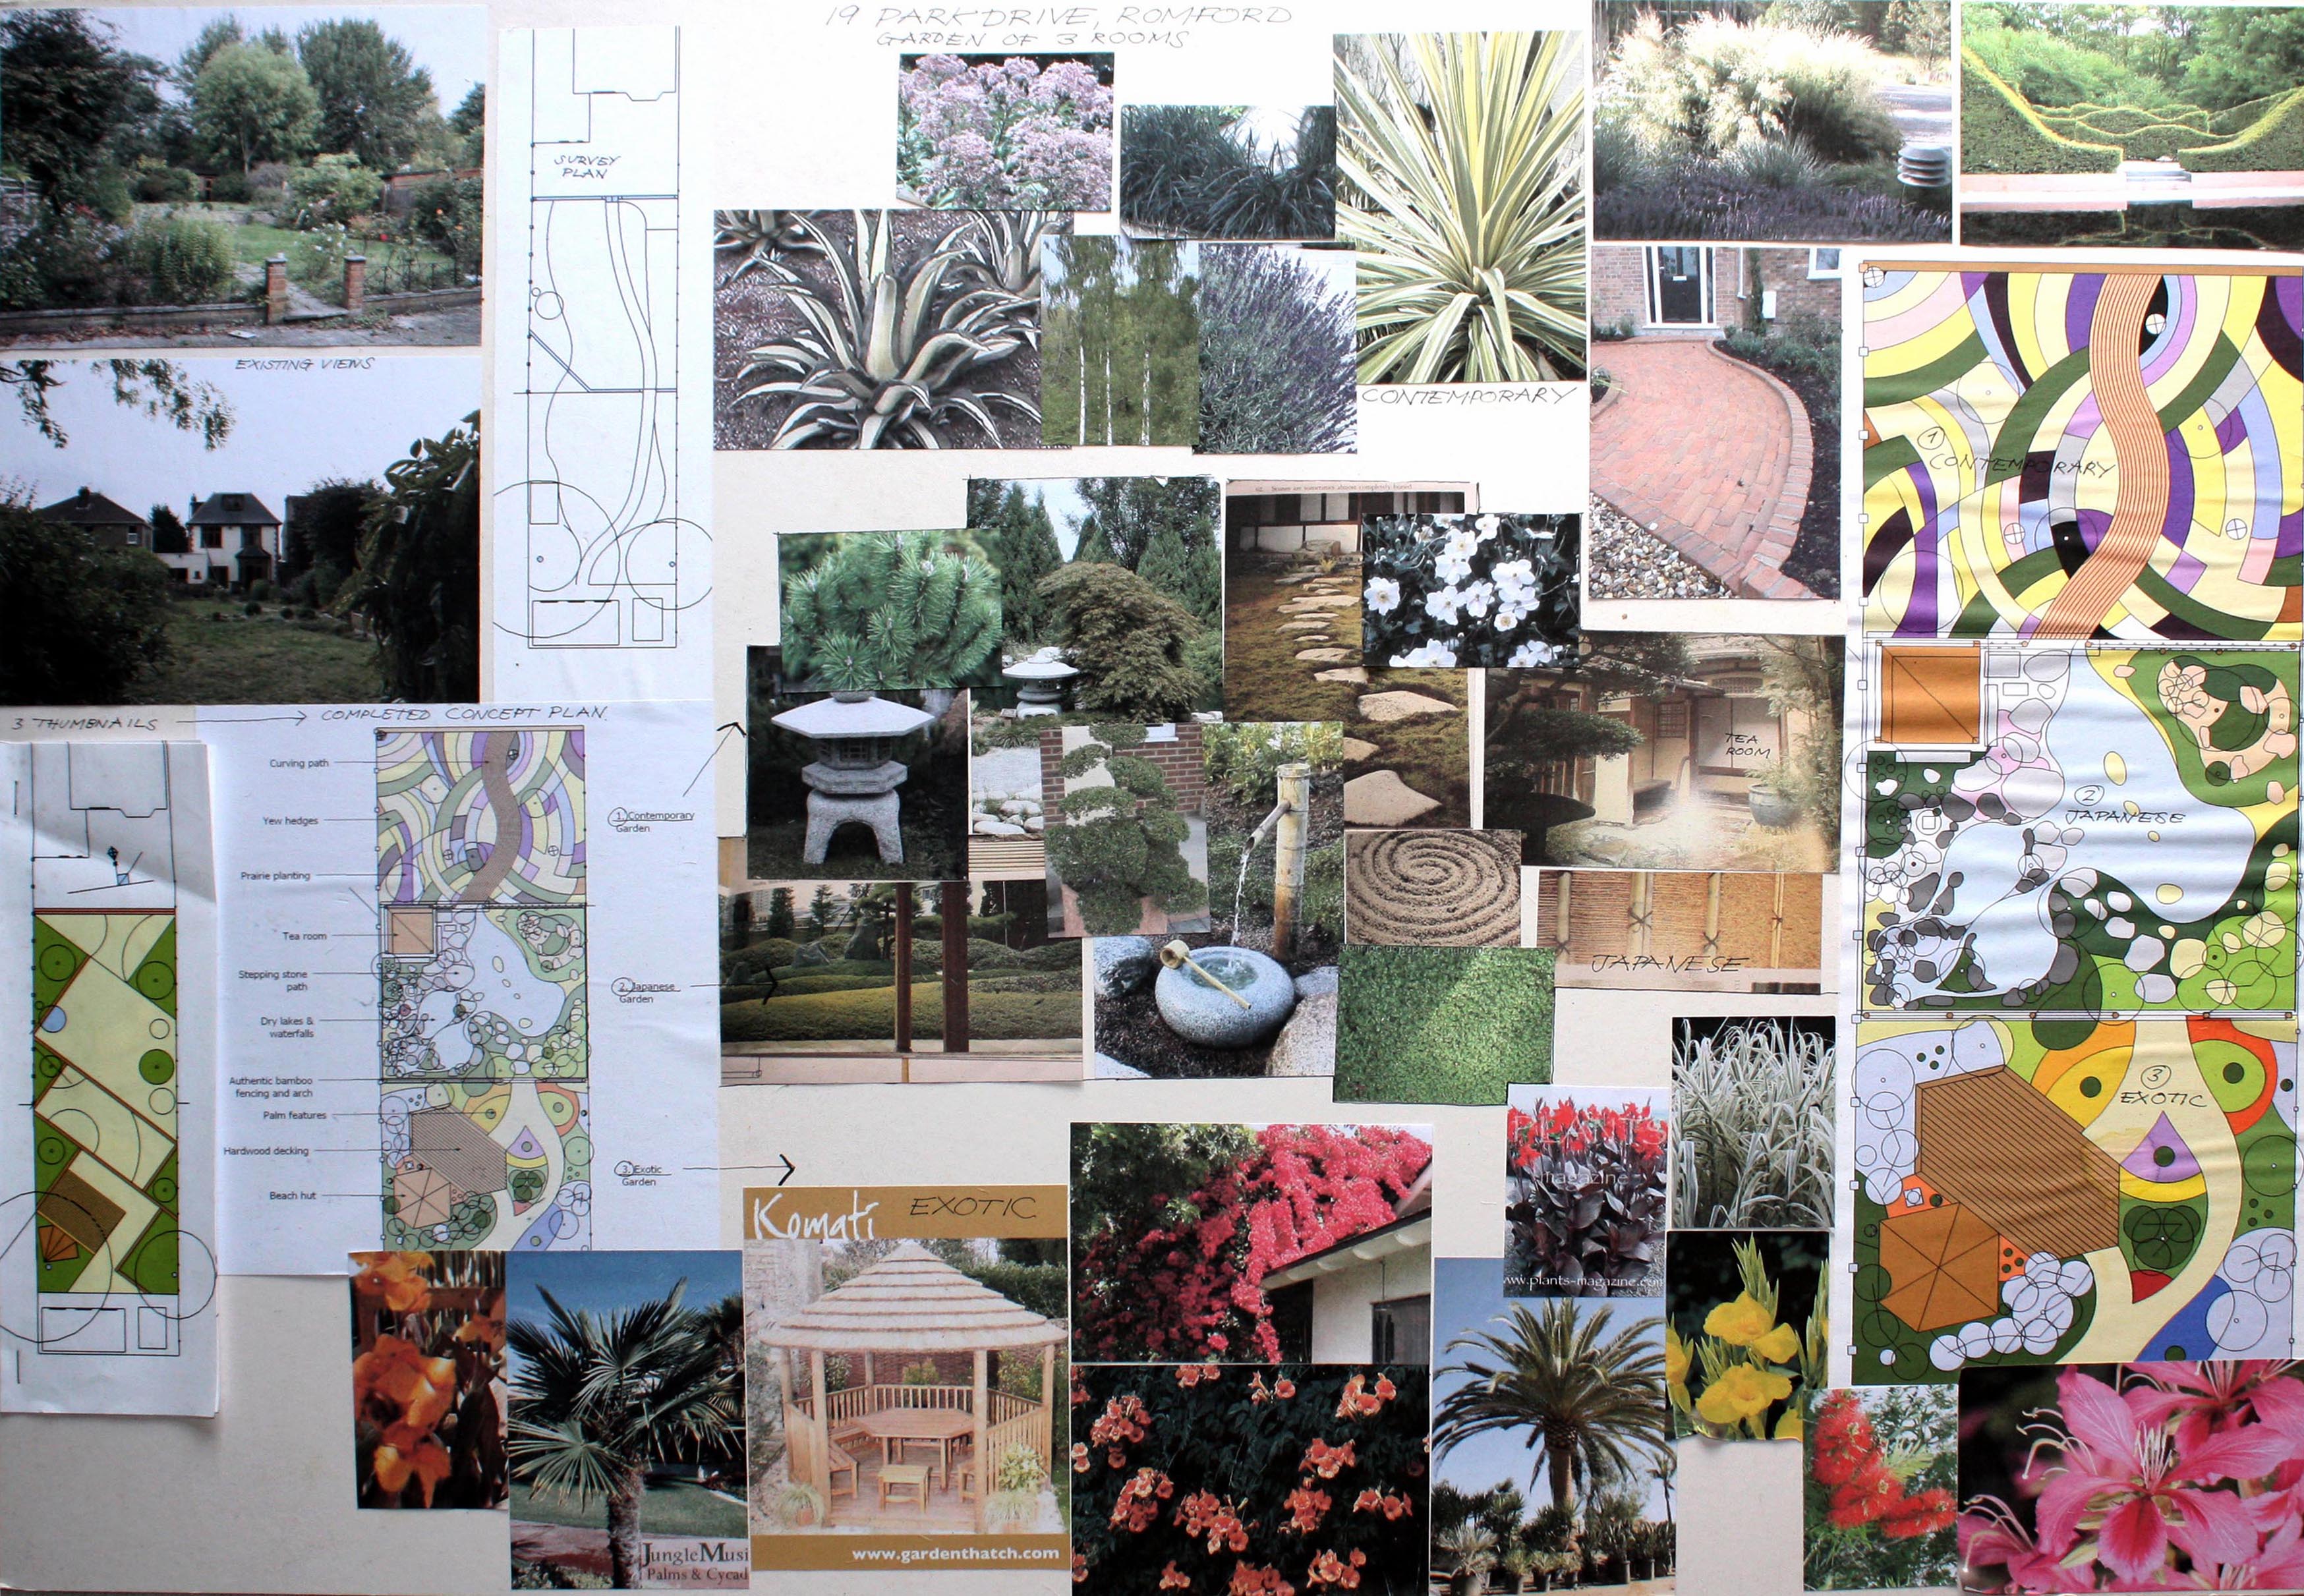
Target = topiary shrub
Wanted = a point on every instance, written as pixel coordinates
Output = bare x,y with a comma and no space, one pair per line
2275,142
185,260
1129,641
2001,132
1120,844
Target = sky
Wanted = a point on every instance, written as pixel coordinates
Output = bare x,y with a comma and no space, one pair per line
613,1282
1061,496
1468,1293
449,41
292,428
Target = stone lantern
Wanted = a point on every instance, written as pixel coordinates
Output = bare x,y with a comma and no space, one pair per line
856,773
1041,682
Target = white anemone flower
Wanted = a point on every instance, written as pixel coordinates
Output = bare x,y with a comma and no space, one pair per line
1382,596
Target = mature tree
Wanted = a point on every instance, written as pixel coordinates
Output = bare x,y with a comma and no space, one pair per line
324,539
1128,641
168,534
161,389
70,96
1024,545
80,623
1132,511
823,912
469,121
892,609
418,576
2243,53
216,34
1583,1390
600,1399
253,104
780,913
375,101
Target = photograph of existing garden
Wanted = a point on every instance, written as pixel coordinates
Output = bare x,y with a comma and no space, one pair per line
2171,127
304,175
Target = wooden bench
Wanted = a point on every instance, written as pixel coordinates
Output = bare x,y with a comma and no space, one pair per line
838,1461
904,1476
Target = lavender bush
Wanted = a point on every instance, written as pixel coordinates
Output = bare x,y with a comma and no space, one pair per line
1462,590
982,132
1275,353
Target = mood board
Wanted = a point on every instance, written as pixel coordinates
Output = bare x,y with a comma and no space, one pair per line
1267,799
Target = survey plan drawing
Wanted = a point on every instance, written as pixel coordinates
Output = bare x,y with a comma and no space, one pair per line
108,1279
602,562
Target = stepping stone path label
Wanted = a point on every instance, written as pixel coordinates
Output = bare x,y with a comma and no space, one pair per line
1382,707
1381,798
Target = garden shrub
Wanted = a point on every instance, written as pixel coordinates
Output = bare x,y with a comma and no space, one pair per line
68,261
445,211
1618,159
2000,132
1275,355
78,622
165,185
332,188
183,260
1128,639
231,188
1192,170
2273,143
1121,844
2045,69
884,609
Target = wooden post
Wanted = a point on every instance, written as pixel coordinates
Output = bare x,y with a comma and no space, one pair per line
1295,792
903,967
819,1459
1048,1407
955,902
870,1377
976,1445
275,291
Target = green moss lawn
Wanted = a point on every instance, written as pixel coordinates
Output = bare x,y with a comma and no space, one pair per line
1442,1025
260,660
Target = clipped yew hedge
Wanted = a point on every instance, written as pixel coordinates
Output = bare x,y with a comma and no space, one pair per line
1999,130
2273,143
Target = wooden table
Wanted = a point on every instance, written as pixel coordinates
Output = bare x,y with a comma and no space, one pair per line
892,1427
904,1476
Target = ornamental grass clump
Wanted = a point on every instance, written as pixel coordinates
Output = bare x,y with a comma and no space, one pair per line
1021,132
1752,1127
1584,1200
1199,172
1121,844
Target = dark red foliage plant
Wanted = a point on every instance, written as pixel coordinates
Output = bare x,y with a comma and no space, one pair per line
1173,1227
1301,1480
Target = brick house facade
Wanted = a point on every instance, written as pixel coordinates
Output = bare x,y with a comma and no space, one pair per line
1704,286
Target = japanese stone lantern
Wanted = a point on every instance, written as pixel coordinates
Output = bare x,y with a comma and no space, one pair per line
856,774
1041,682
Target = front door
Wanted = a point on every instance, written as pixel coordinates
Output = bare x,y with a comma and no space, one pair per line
1680,295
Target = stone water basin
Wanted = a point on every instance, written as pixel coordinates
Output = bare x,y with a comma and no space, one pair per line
1201,1014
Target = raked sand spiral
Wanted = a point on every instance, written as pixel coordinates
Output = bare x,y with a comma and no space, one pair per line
1433,888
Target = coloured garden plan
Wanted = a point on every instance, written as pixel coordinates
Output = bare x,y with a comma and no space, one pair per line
110,1276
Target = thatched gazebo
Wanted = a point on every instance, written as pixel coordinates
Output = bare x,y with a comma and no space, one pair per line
910,1303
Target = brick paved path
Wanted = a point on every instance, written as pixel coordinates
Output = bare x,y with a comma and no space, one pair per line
1711,454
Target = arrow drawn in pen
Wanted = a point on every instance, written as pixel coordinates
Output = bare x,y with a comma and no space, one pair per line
731,726
297,718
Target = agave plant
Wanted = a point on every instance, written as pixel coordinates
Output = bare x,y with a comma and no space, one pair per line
754,239
1003,252
1462,162
897,349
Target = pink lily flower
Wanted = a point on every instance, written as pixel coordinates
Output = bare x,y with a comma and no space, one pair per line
2210,1397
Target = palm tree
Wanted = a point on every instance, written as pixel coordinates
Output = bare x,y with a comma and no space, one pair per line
599,1400
1592,1402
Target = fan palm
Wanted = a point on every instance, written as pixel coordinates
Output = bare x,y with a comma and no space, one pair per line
1592,1402
598,1400
1463,162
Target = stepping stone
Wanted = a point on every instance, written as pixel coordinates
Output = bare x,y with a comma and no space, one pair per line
1351,673
1381,798
1400,706
1290,581
1322,601
1325,656
1304,626
1355,749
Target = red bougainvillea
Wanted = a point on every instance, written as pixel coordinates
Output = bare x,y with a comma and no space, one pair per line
1226,1491
1183,1286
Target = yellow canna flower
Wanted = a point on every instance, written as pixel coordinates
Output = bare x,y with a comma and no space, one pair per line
1675,1360
1788,1428
1742,1392
1745,1323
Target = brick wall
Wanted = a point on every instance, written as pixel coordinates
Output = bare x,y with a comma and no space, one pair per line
1618,291
1620,285
1786,272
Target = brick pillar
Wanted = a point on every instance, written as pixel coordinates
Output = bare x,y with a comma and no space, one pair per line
275,291
355,282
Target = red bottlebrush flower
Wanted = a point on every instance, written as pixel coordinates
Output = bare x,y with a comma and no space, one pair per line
1918,1516
1871,1491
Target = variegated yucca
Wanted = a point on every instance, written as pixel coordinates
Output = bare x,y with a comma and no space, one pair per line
1463,162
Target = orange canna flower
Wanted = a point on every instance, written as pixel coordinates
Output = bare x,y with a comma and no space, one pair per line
398,1278
425,1461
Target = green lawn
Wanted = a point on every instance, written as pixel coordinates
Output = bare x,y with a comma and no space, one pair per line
870,1015
255,242
1442,1025
671,1507
932,852
260,661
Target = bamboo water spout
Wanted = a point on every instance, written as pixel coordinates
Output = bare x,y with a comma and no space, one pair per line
1178,955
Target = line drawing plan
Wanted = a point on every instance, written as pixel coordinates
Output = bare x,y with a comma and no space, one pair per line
484,1053
602,566
109,1280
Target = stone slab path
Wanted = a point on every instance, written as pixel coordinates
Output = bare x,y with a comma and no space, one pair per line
1710,454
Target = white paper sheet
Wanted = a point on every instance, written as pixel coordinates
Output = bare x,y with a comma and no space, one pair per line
460,974
107,1197
601,474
